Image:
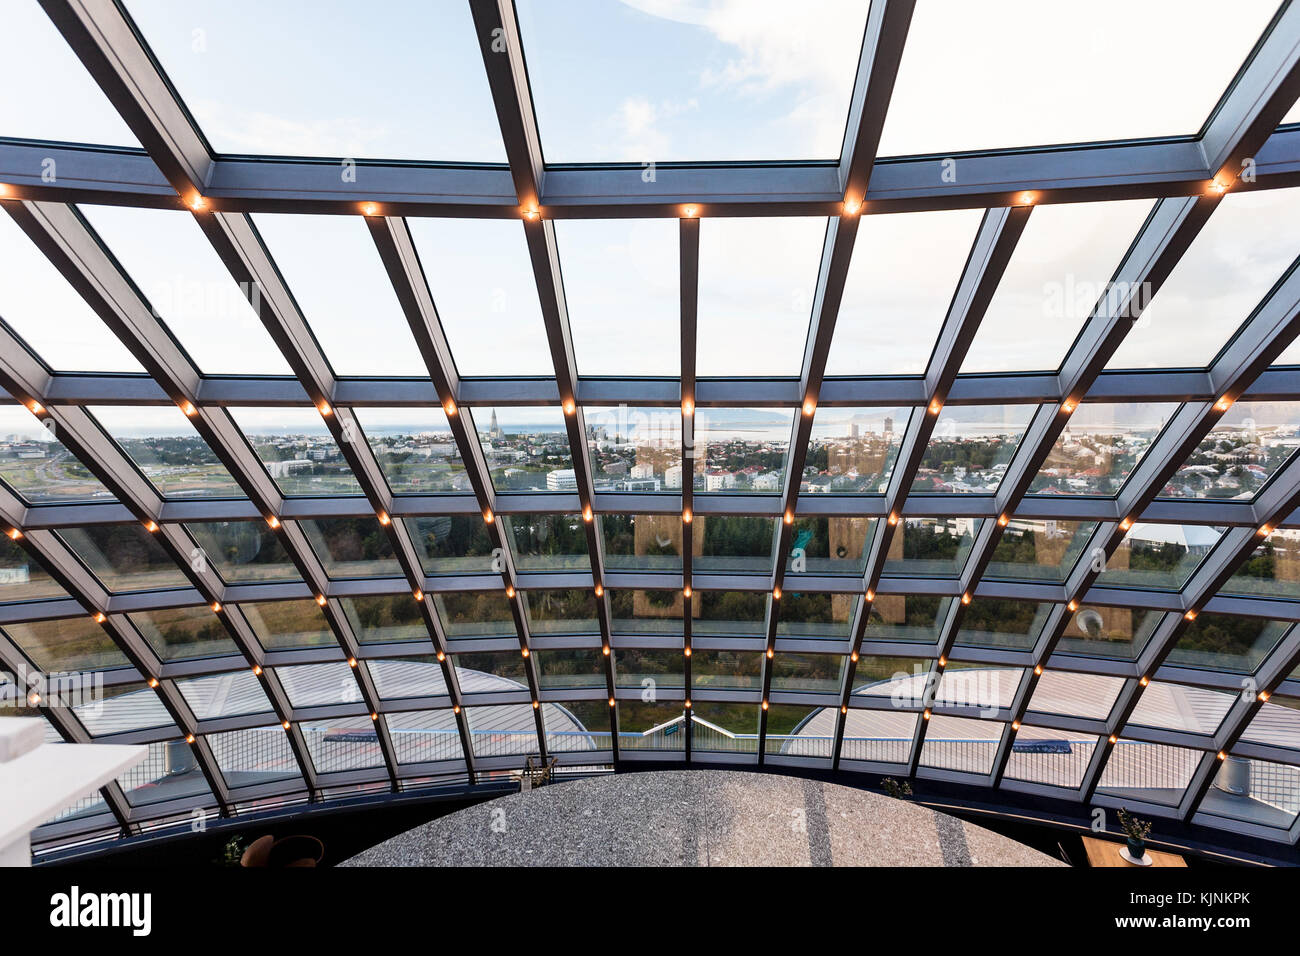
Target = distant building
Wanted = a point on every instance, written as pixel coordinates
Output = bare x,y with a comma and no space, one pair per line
562,479
768,481
719,481
673,476
494,430
643,470
616,468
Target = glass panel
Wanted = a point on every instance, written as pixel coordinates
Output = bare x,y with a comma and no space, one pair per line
451,544
170,772
830,546
415,449
649,670
727,670
903,679
1255,791
471,614
70,106
124,557
121,709
504,730
642,542
691,83
315,685
816,616
961,743
906,617
1277,723
1076,695
184,633
651,725
1039,549
335,274
875,735
718,727
1118,633
970,448
741,449
1060,270
902,278
993,622
529,452
1100,447
1240,454
1194,710
172,263
931,547
1272,571
1088,88
634,449
627,268
1217,283
482,281
71,644
37,465
1222,642
244,552
406,677
1153,773
808,673
44,310
254,756
729,613
344,743
22,578
224,695
262,81
547,542
166,448
283,625
352,547
297,449
561,612
759,275
734,544
648,612
1058,758
1158,555
424,736
385,619
977,685
562,670
576,726
852,450
491,672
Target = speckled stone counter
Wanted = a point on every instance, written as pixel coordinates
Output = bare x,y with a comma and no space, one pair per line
699,818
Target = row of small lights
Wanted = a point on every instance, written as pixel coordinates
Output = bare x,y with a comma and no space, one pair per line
851,207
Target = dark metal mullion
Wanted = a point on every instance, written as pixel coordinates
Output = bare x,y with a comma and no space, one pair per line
392,238
1271,326
689,296
994,244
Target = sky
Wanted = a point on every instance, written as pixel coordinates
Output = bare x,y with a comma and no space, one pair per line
655,81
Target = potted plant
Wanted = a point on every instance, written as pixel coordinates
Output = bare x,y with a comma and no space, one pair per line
1136,830
899,791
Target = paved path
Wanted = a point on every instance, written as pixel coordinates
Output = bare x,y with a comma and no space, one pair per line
699,818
